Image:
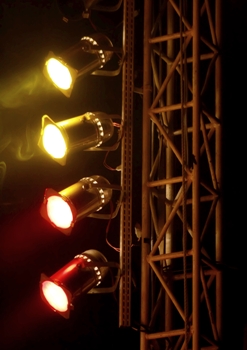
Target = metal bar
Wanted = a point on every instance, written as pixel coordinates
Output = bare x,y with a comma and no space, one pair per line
210,215
209,157
207,198
209,45
168,222
164,181
180,276
126,171
170,73
172,107
145,247
205,56
210,264
190,129
154,216
169,156
210,281
212,118
209,135
156,308
169,293
156,80
165,58
210,312
218,155
172,333
191,233
168,256
196,181
211,190
184,20
167,138
155,165
169,37
202,199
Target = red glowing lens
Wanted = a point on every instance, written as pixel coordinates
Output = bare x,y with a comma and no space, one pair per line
55,296
59,212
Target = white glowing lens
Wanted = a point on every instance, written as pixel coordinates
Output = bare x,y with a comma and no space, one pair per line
59,212
55,296
54,142
59,74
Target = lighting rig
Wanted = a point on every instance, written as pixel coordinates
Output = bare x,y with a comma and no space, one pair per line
63,209
79,276
87,131
90,131
88,56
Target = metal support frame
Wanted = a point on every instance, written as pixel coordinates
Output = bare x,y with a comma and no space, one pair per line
126,170
181,180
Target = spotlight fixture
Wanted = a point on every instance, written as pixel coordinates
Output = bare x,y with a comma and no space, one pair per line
78,277
88,55
83,132
63,209
75,10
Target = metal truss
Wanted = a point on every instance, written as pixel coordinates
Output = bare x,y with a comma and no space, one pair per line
181,291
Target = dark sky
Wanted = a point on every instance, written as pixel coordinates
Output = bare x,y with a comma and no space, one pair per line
234,97
28,244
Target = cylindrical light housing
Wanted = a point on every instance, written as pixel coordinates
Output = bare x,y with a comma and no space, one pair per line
89,54
63,209
79,133
77,277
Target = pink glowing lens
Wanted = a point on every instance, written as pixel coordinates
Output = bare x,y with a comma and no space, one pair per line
59,212
55,296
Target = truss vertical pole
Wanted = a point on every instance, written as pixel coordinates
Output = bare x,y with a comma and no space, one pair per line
218,166
170,100
145,250
196,180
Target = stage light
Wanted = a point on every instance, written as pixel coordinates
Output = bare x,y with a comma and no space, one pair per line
87,56
75,10
63,209
82,132
79,276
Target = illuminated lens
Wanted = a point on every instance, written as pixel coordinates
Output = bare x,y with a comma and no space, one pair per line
55,296
53,141
59,212
59,74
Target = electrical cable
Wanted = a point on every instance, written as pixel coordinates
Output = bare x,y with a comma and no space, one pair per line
113,8
77,11
67,11
107,230
121,133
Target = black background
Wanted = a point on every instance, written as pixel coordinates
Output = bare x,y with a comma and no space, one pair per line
28,244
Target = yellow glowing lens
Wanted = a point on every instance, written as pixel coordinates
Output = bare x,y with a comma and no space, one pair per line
59,212
59,74
55,296
54,142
